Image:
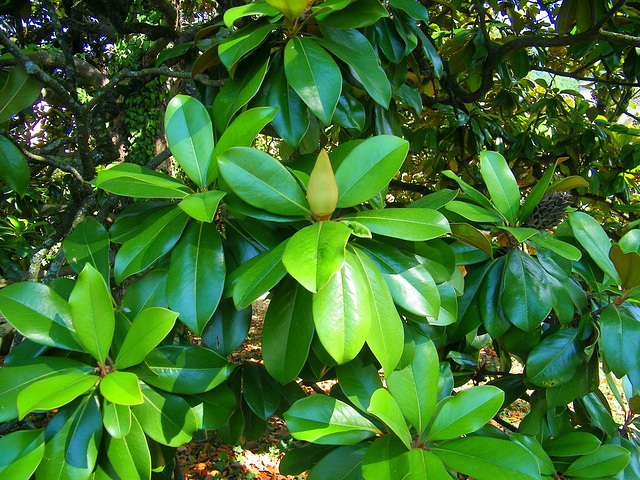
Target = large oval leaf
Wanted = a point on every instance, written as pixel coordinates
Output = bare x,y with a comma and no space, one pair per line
242,42
259,390
20,454
413,224
129,456
606,461
368,168
53,392
594,240
196,275
620,332
314,76
227,329
501,183
116,419
325,420
20,91
385,407
315,253
189,134
122,388
136,181
555,359
262,181
14,169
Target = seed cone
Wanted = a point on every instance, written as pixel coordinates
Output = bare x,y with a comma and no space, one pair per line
550,212
322,191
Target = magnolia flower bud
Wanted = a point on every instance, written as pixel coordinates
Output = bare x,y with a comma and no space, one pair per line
322,191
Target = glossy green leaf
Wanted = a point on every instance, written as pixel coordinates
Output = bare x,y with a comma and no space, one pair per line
414,9
189,134
196,275
92,313
353,48
620,332
389,40
357,14
258,276
572,444
147,331
227,329
14,169
431,53
465,412
202,206
564,249
343,463
289,8
607,460
415,387
88,243
301,459
594,240
314,254
325,420
424,465
116,418
413,224
39,314
129,456
20,91
53,392
250,9
237,91
386,331
490,310
260,390
525,298
533,446
166,418
486,458
384,407
471,236
241,42
349,113
368,168
627,265
20,454
122,388
186,369
501,184
536,194
358,382
555,359
386,459
287,331
72,440
159,234
132,180
213,408
314,75
475,213
341,312
262,181
15,378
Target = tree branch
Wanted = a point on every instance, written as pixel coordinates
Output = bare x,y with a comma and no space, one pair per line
586,79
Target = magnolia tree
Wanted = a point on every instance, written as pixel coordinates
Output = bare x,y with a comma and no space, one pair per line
125,354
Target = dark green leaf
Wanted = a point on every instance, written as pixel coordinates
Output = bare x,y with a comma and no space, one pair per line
242,42
572,444
20,91
555,359
260,390
14,169
343,463
358,382
620,332
213,408
607,460
594,240
88,243
227,329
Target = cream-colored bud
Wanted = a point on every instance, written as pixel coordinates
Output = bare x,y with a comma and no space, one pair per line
322,191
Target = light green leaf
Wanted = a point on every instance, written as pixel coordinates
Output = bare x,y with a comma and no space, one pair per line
242,42
413,224
606,461
289,8
594,240
501,183
14,169
550,242
20,454
129,456
572,444
116,418
135,181
384,407
53,392
202,206
122,388
475,213
620,346
250,9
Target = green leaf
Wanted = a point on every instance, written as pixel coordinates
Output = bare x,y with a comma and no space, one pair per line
53,392
424,465
349,113
630,241
20,91
20,454
572,444
227,329
533,446
250,9
471,236
486,458
92,313
627,266
258,276
328,421
186,369
289,8
357,14
526,297
122,388
386,459
72,440
14,169
358,382
242,42
237,91
555,359
536,194
146,332
196,275
88,243
415,387
386,331
202,206
15,378
620,346
315,253
189,134
607,460
385,407
353,48
465,412
301,459
260,390
39,314
473,212
431,53
287,331
343,463
314,76
341,312
413,224
594,240
160,232
474,194
414,9
563,249
135,181
129,456
116,418
262,181
501,183
166,418
213,408
368,168
491,311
